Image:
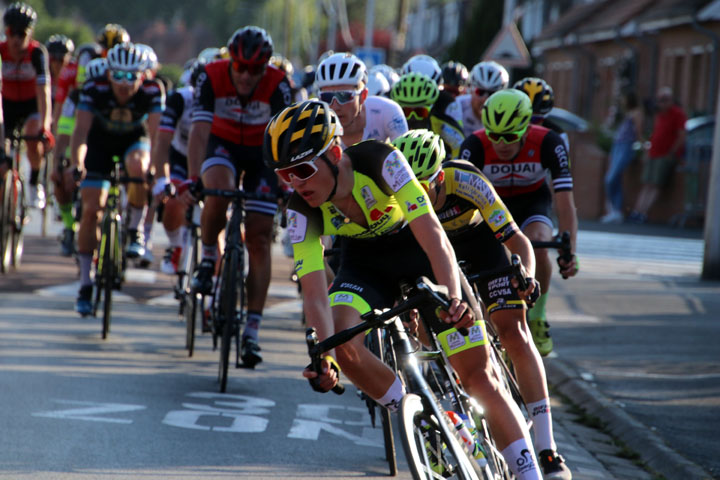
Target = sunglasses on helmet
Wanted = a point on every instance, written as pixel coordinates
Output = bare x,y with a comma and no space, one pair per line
481,92
419,113
341,96
123,76
507,137
252,68
300,171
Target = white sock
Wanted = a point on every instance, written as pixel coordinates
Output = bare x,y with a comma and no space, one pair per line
520,457
175,237
542,425
391,399
136,216
85,261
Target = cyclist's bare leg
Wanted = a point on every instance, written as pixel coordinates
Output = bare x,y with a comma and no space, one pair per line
173,214
93,201
137,162
35,150
539,231
516,339
214,214
360,365
258,238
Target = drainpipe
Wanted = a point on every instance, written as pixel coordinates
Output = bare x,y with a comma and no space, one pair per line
633,56
712,94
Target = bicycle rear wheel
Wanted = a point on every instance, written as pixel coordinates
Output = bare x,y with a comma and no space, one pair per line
377,346
190,298
6,223
108,276
227,309
431,451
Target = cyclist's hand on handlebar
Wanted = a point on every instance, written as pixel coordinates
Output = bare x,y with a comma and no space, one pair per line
325,381
72,176
531,293
48,139
460,315
568,268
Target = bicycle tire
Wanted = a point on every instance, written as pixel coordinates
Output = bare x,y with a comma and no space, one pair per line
18,222
49,194
421,433
190,309
241,299
377,347
227,310
108,277
6,224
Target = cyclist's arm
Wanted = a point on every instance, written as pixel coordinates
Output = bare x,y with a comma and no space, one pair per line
315,303
564,202
42,87
161,153
197,143
521,245
78,143
202,117
431,237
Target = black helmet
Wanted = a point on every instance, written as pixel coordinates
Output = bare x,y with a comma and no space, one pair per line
20,15
455,74
250,45
112,34
86,52
59,45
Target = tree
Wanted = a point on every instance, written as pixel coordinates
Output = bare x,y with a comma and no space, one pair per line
478,30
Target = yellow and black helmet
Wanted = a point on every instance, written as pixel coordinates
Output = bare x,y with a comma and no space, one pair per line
540,93
112,34
299,133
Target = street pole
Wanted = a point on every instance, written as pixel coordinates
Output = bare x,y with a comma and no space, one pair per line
369,24
711,260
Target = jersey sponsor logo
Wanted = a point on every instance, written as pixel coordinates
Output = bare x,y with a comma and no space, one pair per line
497,218
298,266
562,156
397,124
351,286
376,214
420,200
396,171
476,334
301,155
254,113
455,340
410,206
465,154
286,92
296,226
474,187
368,197
449,213
452,136
343,298
222,152
524,173
337,221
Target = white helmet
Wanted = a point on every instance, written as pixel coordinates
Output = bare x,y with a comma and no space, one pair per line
209,54
96,68
151,62
489,76
340,69
126,57
377,84
423,64
387,71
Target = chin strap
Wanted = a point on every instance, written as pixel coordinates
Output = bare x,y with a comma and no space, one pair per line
334,169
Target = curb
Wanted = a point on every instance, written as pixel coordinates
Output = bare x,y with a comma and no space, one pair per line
654,452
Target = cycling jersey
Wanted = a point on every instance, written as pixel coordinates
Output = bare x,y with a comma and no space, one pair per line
386,191
549,124
470,123
235,119
66,82
543,149
21,77
66,122
176,117
447,103
384,119
112,118
445,126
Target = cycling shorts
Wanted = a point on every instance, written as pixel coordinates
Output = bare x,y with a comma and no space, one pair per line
246,161
482,252
531,207
15,114
178,165
372,270
102,148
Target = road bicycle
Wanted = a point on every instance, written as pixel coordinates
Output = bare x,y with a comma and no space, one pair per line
190,303
431,443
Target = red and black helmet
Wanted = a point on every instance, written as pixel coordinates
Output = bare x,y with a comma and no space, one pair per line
250,45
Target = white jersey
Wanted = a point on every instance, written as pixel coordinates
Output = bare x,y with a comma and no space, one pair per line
384,119
470,122
176,117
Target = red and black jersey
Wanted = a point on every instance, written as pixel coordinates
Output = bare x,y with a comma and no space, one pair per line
525,173
19,78
241,121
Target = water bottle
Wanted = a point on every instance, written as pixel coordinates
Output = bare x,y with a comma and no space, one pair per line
466,428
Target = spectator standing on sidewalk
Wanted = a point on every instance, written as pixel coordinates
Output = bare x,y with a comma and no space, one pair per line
666,148
621,155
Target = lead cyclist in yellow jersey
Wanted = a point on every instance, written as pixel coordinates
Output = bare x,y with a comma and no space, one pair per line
369,194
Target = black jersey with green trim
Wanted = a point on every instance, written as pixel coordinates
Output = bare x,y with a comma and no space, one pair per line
384,188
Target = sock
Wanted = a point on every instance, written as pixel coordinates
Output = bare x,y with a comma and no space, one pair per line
537,312
391,399
520,457
542,425
34,175
252,325
175,237
66,214
85,261
209,252
135,218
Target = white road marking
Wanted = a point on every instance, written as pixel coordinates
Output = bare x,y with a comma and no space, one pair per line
89,411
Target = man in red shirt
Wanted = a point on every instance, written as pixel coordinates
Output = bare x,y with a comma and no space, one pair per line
666,148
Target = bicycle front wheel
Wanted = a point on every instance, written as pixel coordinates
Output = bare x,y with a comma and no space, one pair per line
6,223
108,276
18,222
376,345
228,312
433,452
190,298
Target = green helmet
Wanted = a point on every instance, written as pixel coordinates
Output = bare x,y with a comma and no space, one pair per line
415,90
424,150
507,111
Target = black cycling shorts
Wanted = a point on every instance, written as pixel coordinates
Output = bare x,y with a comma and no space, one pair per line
102,147
15,114
531,207
246,161
178,165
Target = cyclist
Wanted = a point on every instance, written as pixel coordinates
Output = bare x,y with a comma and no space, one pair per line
26,90
234,100
342,83
542,98
388,72
170,162
377,84
446,103
514,155
59,48
454,78
417,94
486,78
110,35
116,116
64,178
368,194
478,225
73,75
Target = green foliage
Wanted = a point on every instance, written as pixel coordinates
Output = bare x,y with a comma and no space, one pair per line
79,31
603,137
478,31
172,72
